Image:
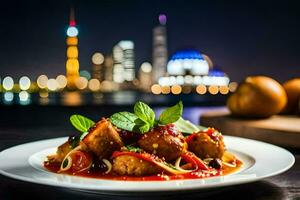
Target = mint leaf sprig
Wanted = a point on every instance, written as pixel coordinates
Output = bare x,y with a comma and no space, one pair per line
144,112
171,114
143,119
82,124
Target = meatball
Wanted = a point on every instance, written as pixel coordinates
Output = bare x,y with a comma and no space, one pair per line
133,166
103,139
207,144
164,141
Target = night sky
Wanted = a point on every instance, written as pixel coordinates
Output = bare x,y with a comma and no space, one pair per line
242,37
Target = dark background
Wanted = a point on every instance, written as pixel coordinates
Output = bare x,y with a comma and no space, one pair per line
242,37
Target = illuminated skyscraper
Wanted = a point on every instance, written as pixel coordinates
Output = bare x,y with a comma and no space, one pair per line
118,68
160,51
72,63
123,57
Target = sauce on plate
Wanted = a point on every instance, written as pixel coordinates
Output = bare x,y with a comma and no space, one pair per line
159,177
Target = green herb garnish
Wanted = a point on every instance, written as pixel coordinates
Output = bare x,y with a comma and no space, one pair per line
129,121
81,123
143,118
141,126
141,121
145,113
171,115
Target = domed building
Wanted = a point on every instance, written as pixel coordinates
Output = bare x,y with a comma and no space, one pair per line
187,62
190,67
216,72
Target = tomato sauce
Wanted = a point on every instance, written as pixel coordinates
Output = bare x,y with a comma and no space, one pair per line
159,177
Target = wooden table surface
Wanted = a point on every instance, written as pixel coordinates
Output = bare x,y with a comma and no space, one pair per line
283,130
284,186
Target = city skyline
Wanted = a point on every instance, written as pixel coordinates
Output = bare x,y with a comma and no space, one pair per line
238,52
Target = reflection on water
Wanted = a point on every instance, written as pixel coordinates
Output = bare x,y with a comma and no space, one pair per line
98,98
71,99
8,97
44,101
24,98
114,98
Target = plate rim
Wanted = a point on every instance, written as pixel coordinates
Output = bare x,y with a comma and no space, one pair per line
126,190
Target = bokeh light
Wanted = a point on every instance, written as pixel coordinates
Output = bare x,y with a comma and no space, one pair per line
97,58
24,83
224,89
52,84
94,85
61,81
213,89
42,81
146,67
162,19
186,89
8,96
176,89
23,96
43,94
233,86
165,90
81,83
188,79
8,83
201,89
156,89
180,80
72,31
85,74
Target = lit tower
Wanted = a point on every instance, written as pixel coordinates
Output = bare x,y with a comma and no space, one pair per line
72,64
160,51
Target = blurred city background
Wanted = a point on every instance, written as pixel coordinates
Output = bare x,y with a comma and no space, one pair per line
98,57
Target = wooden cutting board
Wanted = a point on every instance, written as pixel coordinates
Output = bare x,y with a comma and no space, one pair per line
283,130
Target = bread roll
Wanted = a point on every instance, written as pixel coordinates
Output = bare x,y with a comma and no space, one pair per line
257,96
292,88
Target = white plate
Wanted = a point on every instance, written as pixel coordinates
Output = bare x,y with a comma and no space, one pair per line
24,162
